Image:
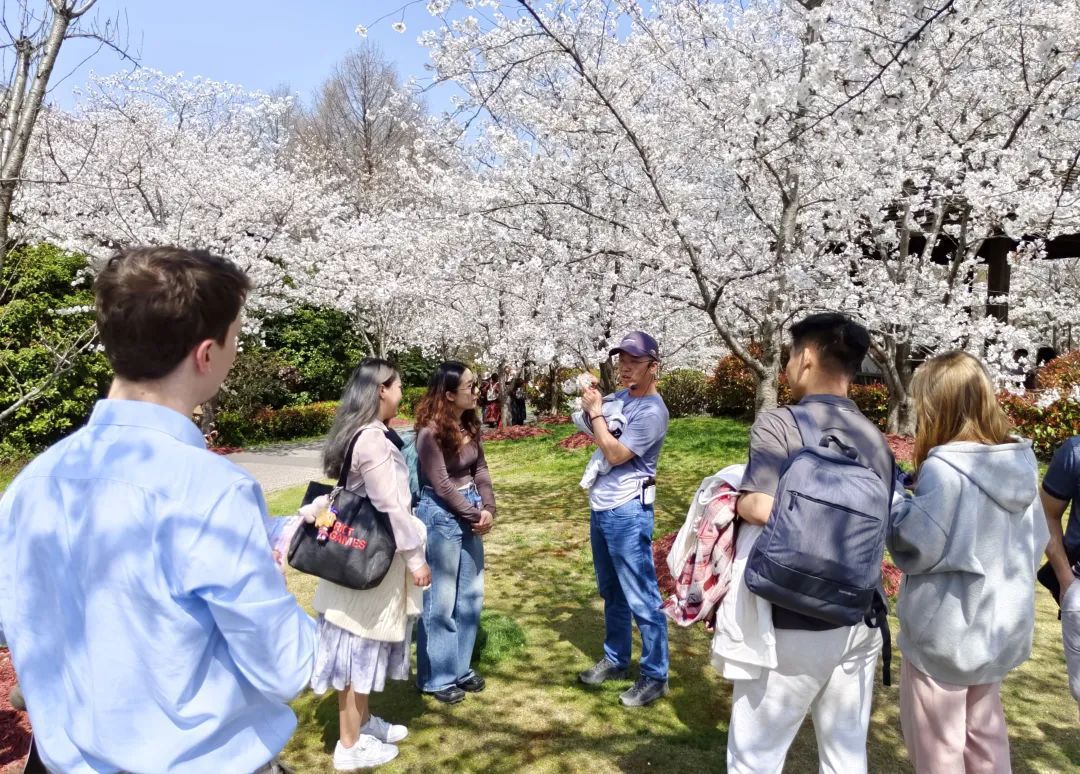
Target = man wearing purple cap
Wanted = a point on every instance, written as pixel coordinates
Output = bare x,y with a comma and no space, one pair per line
621,528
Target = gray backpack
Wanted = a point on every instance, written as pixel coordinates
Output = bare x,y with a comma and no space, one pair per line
820,552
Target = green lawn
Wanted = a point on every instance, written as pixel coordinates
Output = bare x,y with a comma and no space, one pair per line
543,623
8,471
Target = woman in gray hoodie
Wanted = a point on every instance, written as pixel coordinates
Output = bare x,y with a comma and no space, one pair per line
968,539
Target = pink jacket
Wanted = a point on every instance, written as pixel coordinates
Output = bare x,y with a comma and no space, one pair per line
705,575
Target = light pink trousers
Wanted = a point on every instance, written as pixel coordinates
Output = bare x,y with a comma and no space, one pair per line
952,728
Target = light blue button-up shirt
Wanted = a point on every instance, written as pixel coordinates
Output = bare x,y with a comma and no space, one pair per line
148,625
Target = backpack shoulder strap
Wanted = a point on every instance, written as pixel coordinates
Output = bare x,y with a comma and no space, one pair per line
807,426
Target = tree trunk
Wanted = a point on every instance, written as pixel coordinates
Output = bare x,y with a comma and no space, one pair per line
504,396
998,273
766,395
556,390
894,358
608,381
207,419
901,417
23,110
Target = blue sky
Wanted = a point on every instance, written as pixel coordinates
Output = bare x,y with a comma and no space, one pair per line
259,44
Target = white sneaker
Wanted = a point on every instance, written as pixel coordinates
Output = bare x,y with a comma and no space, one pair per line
383,731
367,753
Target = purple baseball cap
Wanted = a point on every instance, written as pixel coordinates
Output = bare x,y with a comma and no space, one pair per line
638,344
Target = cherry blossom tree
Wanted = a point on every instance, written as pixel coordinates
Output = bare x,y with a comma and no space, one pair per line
751,148
36,33
147,158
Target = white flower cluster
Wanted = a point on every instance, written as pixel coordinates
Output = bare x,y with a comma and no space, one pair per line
1047,398
578,384
68,311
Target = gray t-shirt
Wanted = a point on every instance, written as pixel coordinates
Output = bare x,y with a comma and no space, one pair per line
646,426
775,437
1062,481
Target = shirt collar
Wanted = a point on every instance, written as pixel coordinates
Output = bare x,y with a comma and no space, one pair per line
835,400
140,413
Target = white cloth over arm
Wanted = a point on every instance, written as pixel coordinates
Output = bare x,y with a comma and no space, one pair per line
745,641
616,421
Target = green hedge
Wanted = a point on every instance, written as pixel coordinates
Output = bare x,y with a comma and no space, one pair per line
36,281
260,378
268,425
1047,428
685,392
320,344
410,396
414,366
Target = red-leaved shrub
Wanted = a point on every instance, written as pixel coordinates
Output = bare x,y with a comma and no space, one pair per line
1062,373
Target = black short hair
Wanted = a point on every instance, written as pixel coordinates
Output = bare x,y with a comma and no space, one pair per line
841,342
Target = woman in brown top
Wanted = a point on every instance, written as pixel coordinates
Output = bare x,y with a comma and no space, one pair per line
457,506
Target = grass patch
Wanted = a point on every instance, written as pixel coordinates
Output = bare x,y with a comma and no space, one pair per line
284,502
499,639
544,623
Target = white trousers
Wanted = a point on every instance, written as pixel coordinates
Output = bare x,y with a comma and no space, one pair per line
831,675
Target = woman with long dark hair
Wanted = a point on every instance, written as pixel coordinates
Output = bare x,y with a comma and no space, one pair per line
364,636
457,505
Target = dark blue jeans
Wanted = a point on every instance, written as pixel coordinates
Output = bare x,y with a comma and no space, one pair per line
626,576
451,617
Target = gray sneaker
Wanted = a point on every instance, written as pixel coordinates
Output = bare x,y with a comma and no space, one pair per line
645,691
603,670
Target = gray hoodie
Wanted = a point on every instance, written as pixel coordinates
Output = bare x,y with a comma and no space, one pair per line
969,541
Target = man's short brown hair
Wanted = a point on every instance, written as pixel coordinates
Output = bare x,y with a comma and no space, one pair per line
156,304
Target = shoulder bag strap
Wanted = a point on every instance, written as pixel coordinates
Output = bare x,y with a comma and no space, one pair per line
346,462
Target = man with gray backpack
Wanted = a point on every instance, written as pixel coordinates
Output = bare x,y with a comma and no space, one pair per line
820,479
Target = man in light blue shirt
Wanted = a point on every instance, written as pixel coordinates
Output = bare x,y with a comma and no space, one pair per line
621,524
147,622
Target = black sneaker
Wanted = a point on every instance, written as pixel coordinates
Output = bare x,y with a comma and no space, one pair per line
604,669
645,691
451,695
472,684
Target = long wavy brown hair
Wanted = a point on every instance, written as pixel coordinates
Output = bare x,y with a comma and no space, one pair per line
954,401
436,412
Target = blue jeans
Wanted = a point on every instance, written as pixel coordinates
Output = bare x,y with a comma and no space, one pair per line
451,617
626,576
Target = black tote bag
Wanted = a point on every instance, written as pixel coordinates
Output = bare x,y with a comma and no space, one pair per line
360,546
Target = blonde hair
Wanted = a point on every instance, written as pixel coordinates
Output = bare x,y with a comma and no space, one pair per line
954,401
